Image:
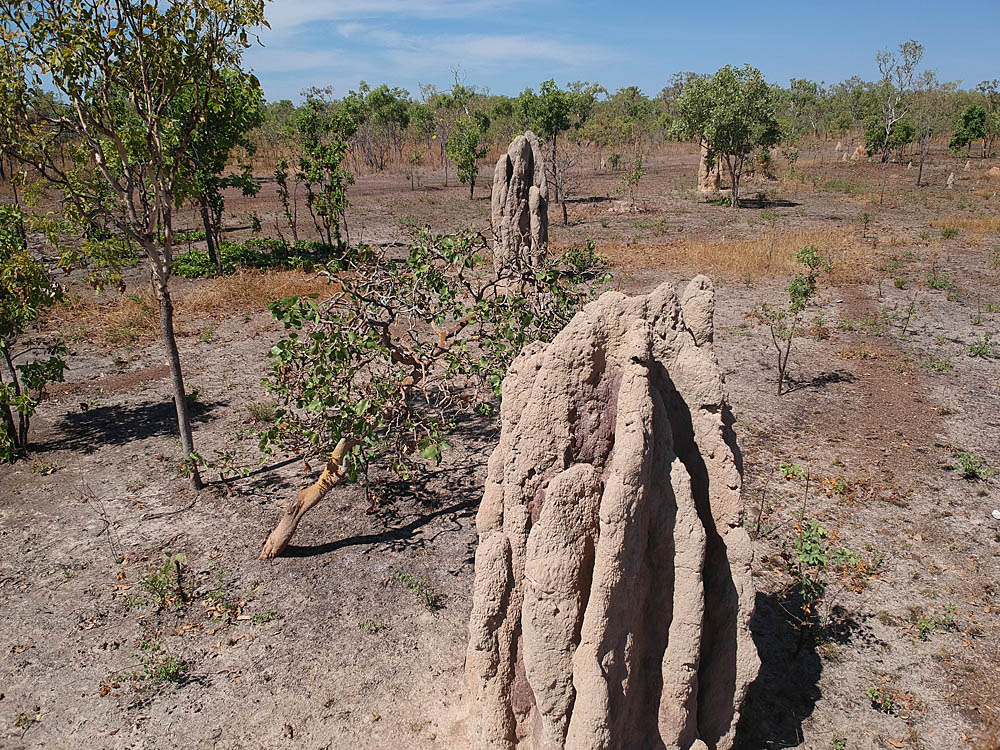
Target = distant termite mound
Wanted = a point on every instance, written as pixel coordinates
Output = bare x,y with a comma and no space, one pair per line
520,205
709,170
612,592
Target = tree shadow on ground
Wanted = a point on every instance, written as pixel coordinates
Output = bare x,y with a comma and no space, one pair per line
591,199
402,536
762,201
786,689
91,429
819,381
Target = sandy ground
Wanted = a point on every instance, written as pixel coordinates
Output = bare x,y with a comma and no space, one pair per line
356,637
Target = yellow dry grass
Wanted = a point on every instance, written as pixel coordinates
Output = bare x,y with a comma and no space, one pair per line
762,256
247,291
134,318
968,223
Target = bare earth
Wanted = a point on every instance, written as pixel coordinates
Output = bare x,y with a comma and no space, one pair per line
355,638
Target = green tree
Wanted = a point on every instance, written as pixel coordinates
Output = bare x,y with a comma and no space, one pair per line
233,110
123,67
467,146
734,112
448,106
971,126
903,133
324,133
549,113
382,115
25,292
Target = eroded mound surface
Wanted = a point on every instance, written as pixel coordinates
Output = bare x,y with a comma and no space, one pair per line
612,590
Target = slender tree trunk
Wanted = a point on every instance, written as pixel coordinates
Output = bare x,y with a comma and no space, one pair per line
19,428
213,252
8,424
565,215
555,170
923,157
472,187
885,167
734,179
161,277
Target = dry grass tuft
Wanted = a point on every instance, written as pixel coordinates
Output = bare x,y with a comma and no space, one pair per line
247,291
134,318
129,319
968,223
763,256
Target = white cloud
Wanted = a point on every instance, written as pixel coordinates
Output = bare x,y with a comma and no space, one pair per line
411,53
287,15
363,41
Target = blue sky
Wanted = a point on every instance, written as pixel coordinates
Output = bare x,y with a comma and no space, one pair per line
506,45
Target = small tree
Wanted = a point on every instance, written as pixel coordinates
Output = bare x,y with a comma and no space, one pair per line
324,133
632,177
25,292
232,111
784,322
971,126
384,366
734,112
549,113
895,93
466,147
123,67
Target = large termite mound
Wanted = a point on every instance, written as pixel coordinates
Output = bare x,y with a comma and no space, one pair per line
519,205
612,593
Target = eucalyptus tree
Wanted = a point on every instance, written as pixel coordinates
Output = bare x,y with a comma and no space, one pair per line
448,106
123,67
382,116
894,92
971,127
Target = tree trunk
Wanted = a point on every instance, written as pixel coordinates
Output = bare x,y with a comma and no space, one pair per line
923,156
213,252
472,188
734,179
555,170
333,474
565,215
17,429
885,166
161,277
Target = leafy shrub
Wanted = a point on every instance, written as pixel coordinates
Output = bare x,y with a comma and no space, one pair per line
385,365
783,322
982,347
25,292
263,254
972,466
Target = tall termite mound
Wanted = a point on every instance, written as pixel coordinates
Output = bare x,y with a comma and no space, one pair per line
613,594
519,207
